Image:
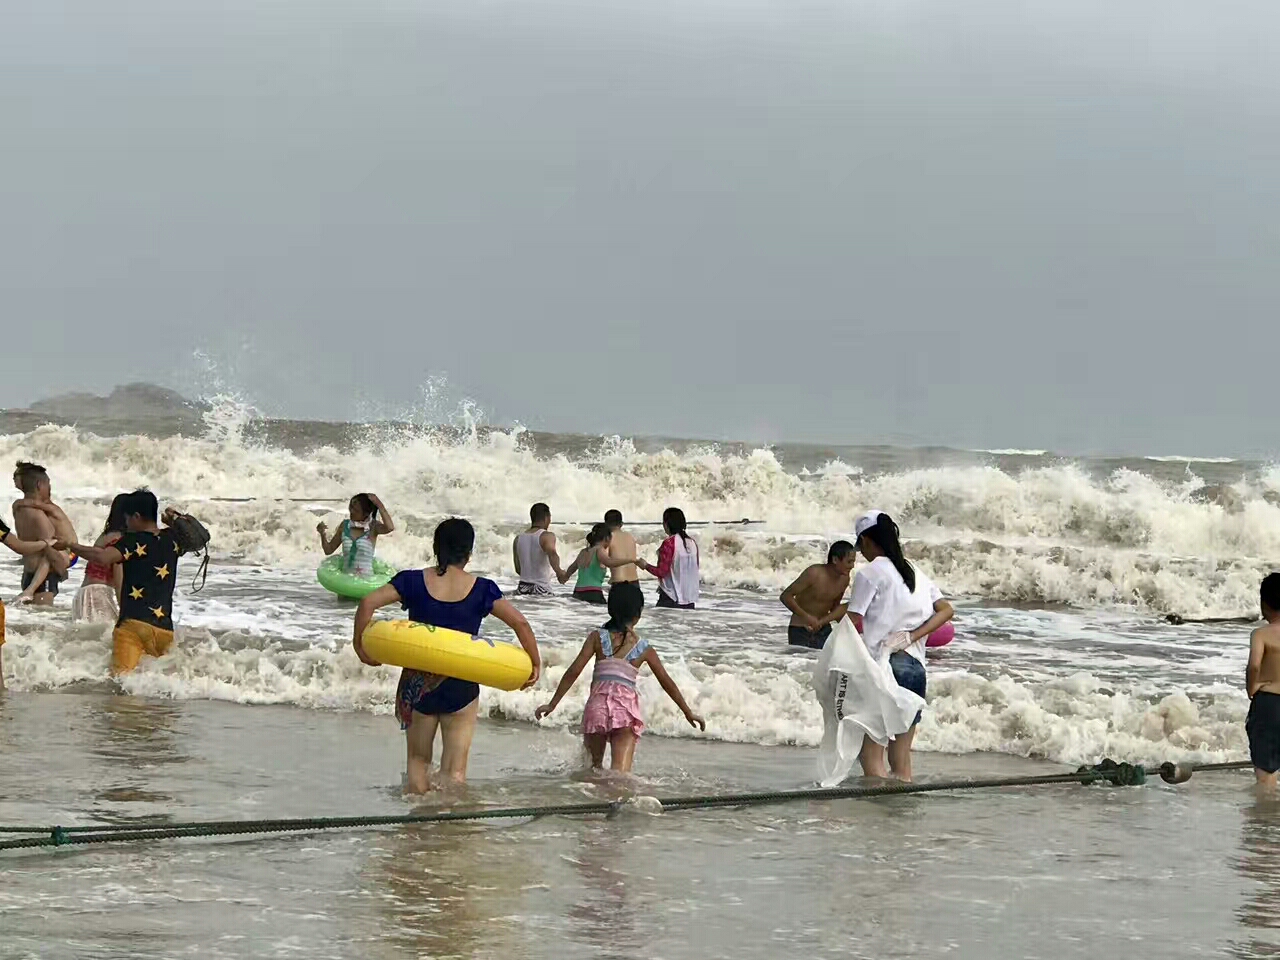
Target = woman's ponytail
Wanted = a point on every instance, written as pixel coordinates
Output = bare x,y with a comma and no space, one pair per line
885,536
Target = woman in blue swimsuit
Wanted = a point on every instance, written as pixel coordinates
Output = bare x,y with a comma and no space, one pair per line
449,597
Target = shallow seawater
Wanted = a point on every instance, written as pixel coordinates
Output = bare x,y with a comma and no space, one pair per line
1059,871
1061,572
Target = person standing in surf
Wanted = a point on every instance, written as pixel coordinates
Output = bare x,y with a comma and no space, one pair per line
534,553
612,717
23,548
1262,683
37,517
894,607
149,556
814,598
445,596
98,599
591,563
358,535
677,567
622,546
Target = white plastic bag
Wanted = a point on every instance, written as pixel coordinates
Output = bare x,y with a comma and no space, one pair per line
859,698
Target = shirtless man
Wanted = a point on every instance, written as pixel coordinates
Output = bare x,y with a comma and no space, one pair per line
1262,683
534,552
25,549
814,598
37,517
621,547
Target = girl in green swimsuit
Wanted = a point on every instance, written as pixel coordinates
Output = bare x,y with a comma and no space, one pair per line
590,565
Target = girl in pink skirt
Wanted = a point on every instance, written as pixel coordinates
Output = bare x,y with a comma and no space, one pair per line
612,715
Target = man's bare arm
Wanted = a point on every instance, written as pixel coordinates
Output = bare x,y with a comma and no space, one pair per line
1257,646
548,543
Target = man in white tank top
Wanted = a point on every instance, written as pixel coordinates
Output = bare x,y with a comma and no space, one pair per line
534,552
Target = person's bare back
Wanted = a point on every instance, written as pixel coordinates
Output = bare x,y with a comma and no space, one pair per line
623,547
1264,660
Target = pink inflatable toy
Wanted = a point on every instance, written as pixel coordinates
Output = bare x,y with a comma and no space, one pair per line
942,636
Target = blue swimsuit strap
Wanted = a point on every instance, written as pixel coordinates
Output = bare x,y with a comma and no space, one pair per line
606,644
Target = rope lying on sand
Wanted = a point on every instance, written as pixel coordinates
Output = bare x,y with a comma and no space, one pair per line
1118,774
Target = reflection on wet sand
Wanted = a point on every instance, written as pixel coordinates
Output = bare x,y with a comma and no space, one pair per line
132,734
1259,861
605,917
449,890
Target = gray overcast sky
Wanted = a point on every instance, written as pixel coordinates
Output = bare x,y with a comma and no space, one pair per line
1022,223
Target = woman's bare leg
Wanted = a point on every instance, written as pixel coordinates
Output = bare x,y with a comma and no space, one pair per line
420,738
456,731
872,759
900,754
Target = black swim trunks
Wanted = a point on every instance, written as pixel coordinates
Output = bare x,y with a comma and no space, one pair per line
800,637
1263,728
50,584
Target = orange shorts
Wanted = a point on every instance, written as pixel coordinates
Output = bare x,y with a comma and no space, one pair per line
132,640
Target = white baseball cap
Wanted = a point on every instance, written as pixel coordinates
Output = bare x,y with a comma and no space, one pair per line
866,522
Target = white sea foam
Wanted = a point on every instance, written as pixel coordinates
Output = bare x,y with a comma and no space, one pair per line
1075,718
1050,533
1068,686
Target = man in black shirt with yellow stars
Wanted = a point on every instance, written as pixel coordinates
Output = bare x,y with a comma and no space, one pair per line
26,548
149,557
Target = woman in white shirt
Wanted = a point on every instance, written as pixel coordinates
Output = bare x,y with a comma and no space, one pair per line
895,607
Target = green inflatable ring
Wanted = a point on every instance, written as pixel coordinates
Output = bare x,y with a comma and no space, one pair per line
336,580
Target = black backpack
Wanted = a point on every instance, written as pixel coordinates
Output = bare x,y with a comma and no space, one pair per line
192,536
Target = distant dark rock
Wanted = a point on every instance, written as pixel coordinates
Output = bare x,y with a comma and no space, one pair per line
133,401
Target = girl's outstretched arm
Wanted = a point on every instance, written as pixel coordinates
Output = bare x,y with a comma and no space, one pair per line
664,680
585,656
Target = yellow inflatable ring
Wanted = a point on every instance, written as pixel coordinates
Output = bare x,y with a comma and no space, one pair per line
449,653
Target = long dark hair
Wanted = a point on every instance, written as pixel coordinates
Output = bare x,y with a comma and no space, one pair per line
117,517
625,607
885,536
452,543
673,519
599,533
367,505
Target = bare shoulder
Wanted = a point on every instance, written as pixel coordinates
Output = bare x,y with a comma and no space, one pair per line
810,573
1269,635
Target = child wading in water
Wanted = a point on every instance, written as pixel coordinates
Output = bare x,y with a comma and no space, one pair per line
612,714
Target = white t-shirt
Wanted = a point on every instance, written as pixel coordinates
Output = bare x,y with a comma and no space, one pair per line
881,596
